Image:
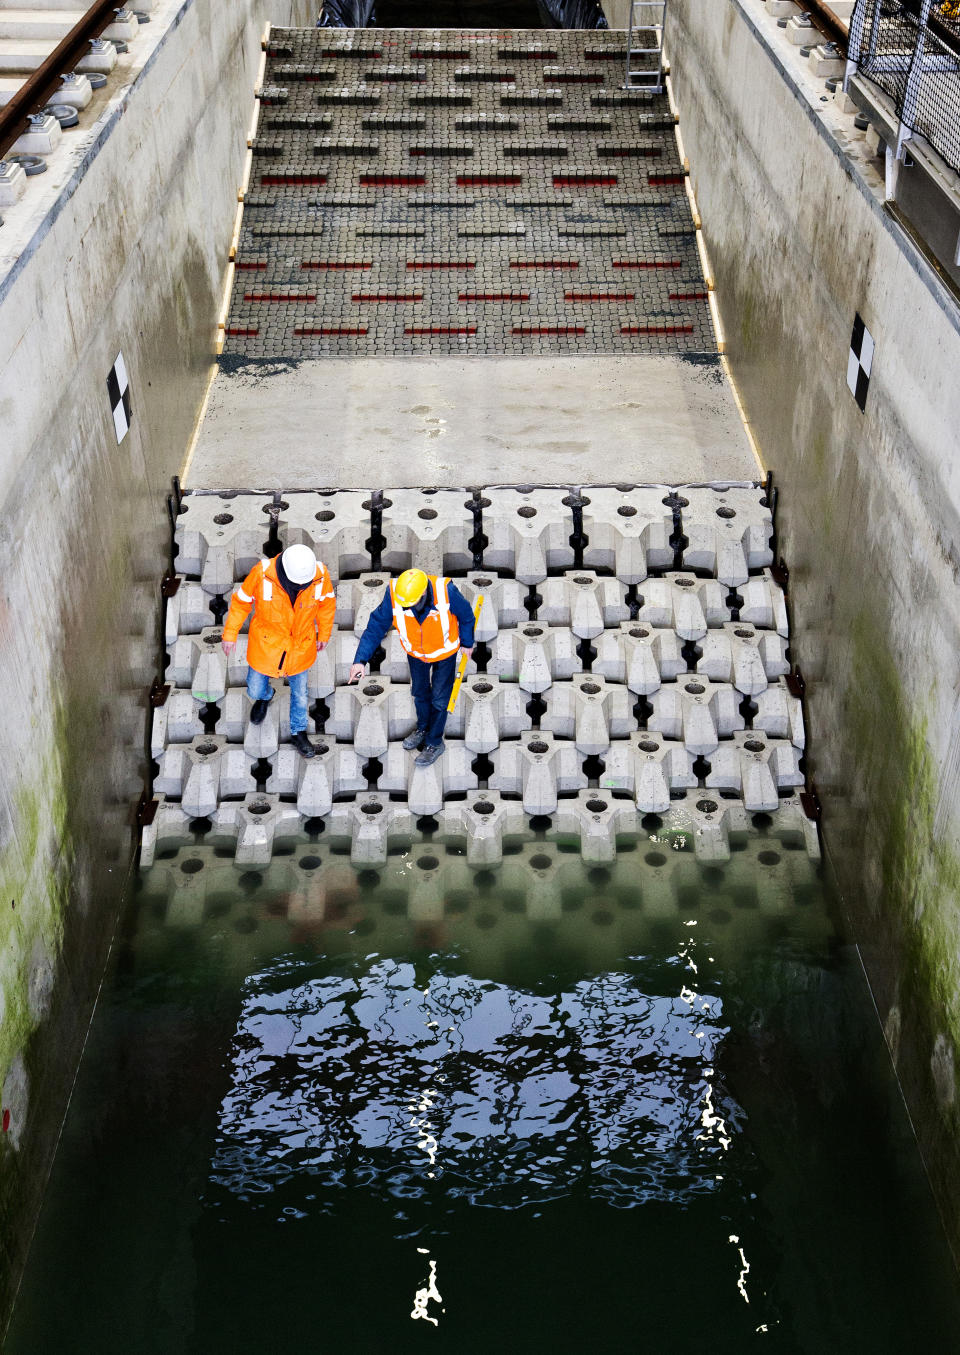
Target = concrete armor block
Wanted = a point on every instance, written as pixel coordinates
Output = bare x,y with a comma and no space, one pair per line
336,525
334,772
650,768
583,602
539,768
370,714
171,825
325,672
198,662
756,768
596,819
371,823
176,721
590,711
502,602
187,612
202,773
534,655
639,656
744,656
528,532
729,532
780,715
220,538
357,598
627,531
260,740
429,529
697,712
683,603
483,821
764,604
255,824
488,711
426,788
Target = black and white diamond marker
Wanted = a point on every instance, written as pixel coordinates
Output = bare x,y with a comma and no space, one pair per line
860,362
118,388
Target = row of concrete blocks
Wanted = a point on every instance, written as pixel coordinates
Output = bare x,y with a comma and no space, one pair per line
373,824
582,601
538,767
588,710
536,881
534,656
728,530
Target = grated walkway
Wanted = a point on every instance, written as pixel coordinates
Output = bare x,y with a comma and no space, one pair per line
416,192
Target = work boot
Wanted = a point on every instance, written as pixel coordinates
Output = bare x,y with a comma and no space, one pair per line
414,740
259,712
430,754
302,744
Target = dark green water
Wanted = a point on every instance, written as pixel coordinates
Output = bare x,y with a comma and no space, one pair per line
544,1109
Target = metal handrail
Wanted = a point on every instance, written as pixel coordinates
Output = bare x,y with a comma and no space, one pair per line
45,80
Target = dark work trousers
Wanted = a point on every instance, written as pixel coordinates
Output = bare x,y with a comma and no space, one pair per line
432,685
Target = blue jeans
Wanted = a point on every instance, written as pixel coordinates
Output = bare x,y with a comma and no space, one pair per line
432,684
259,689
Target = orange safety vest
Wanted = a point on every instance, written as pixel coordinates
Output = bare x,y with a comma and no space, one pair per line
283,638
439,636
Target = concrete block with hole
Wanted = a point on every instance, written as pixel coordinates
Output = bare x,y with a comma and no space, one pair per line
335,771
640,656
683,603
534,655
217,536
170,827
488,711
590,711
729,532
503,602
596,819
482,821
254,824
584,602
756,768
335,524
744,656
780,715
371,823
370,714
426,788
202,773
538,767
198,662
628,530
763,604
528,531
187,612
650,768
427,529
176,721
260,740
358,598
697,712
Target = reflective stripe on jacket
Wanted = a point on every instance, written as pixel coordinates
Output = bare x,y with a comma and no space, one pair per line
439,636
283,638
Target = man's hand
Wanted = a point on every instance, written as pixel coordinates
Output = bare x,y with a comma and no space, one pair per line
321,644
468,652
356,672
228,646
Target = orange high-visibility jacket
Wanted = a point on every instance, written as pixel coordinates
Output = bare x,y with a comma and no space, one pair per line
283,639
439,636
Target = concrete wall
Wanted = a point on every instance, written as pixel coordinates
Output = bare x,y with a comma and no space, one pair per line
870,509
132,257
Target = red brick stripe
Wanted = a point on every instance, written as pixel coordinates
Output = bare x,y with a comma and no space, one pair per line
656,329
549,329
330,330
598,296
440,329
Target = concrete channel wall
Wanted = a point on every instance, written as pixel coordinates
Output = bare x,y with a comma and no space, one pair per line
130,259
870,508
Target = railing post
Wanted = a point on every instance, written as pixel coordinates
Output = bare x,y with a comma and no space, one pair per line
915,74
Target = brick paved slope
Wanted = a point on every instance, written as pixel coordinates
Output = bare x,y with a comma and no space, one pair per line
435,192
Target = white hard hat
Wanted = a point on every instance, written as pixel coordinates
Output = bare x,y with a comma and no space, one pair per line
299,564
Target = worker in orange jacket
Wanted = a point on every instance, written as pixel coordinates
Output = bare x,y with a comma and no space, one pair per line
293,605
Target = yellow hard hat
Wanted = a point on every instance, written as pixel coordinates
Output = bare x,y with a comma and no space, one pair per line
409,588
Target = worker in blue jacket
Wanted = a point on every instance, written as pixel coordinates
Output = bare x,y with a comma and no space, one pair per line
435,622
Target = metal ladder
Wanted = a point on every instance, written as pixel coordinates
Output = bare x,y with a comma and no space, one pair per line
647,18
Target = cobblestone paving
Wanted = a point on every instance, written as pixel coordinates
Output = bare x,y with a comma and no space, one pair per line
419,192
